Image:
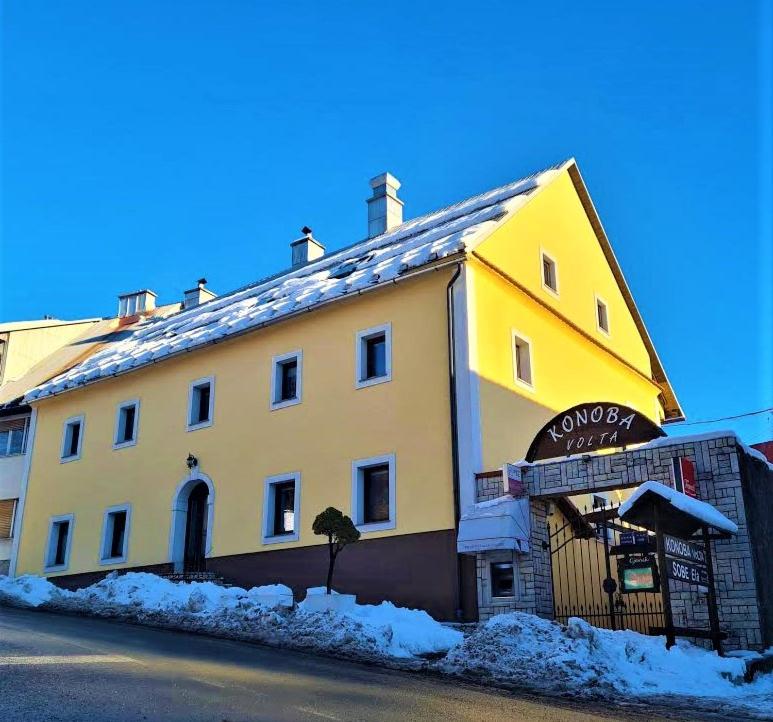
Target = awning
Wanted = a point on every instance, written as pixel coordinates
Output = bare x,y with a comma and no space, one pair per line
501,523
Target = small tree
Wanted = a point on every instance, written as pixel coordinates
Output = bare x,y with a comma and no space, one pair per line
339,530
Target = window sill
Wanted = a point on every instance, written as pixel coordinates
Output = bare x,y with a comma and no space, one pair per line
124,444
376,526
200,425
68,459
373,381
113,560
60,568
549,290
11,456
276,405
280,538
520,383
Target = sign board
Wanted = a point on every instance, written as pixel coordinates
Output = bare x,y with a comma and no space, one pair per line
634,538
513,481
590,427
638,576
691,552
683,472
686,572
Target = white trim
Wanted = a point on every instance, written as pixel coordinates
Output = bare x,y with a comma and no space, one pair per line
596,301
179,517
68,546
517,335
103,543
25,476
202,424
81,418
125,405
267,535
357,501
276,380
546,254
360,360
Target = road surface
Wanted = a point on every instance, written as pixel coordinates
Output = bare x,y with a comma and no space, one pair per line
55,667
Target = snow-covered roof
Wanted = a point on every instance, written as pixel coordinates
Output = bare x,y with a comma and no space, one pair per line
357,268
709,515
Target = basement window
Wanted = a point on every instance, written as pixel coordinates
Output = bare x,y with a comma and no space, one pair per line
201,400
602,316
127,419
58,547
373,493
72,439
549,273
522,366
286,379
374,356
281,508
115,534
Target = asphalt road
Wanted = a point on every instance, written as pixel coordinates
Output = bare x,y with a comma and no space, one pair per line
55,667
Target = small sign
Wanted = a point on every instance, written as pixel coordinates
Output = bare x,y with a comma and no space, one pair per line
675,547
590,427
683,472
638,576
513,480
686,572
634,538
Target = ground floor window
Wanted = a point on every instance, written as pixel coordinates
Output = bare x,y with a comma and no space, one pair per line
281,508
115,534
373,493
59,537
7,510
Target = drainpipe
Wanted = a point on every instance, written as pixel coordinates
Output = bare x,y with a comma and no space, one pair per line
454,428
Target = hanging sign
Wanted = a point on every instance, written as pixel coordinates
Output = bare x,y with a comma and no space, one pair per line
683,549
683,571
683,472
590,427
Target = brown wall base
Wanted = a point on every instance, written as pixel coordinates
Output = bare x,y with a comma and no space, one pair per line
411,570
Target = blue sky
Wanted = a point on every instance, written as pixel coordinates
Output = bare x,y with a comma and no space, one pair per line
146,144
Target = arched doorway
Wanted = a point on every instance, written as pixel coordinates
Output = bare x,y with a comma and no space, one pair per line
190,534
194,553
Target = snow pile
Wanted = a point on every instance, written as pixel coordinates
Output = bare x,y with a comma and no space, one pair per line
29,591
527,651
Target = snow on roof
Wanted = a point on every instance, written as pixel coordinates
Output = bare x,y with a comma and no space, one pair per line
364,265
694,507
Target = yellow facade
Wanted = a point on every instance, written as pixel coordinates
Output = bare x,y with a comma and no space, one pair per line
335,424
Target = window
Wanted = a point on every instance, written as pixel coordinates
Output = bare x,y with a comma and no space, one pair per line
7,511
502,579
602,316
115,534
373,493
201,401
13,436
58,547
286,379
374,356
72,439
549,273
281,508
522,370
126,423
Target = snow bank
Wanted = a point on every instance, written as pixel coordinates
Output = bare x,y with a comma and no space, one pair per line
527,651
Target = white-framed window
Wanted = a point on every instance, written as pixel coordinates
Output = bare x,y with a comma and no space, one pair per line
374,493
281,508
373,361
72,439
501,579
523,372
549,271
127,419
59,542
13,436
114,547
286,379
201,403
602,315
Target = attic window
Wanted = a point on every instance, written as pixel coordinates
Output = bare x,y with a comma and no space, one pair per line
549,274
602,316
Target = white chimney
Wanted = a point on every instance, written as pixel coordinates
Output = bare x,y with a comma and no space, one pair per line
130,304
306,249
385,209
198,295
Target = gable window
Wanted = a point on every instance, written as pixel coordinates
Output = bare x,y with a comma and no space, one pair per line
115,534
373,493
602,316
286,377
281,508
72,439
522,366
549,273
374,356
58,547
201,400
126,423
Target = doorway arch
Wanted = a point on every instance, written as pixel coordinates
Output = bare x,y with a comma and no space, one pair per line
193,501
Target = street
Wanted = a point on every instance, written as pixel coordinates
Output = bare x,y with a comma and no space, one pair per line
56,667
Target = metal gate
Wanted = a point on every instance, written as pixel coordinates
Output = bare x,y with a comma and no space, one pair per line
580,546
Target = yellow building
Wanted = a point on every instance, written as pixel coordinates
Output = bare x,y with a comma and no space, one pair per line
378,379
